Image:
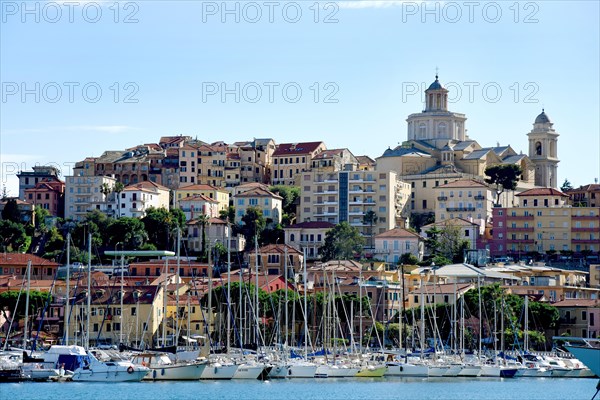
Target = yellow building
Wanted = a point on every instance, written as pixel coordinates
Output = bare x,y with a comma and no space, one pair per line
219,194
291,159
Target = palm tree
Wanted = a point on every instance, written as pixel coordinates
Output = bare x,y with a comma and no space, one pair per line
118,188
105,189
370,218
203,221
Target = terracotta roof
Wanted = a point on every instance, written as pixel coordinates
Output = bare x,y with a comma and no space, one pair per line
461,183
286,149
259,192
200,187
444,288
398,233
250,185
542,192
365,160
278,248
211,220
453,221
577,303
592,187
312,225
330,153
198,197
22,259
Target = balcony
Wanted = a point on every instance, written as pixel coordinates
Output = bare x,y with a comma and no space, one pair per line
587,229
464,209
381,251
527,241
479,197
521,217
585,216
521,229
586,241
568,321
442,198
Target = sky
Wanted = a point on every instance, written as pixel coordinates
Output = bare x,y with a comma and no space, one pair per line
82,77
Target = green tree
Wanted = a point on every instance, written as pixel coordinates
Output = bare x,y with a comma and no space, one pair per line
504,176
37,300
161,225
289,195
117,188
130,232
253,223
451,243
566,186
11,211
418,220
342,242
408,259
202,220
13,236
370,218
40,219
228,214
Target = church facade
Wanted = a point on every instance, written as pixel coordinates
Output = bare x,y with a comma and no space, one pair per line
439,151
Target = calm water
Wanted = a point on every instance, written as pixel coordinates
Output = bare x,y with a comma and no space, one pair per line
375,389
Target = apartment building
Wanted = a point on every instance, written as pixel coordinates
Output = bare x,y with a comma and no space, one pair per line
292,159
136,199
84,194
48,194
308,237
212,192
256,160
544,223
40,173
585,196
470,199
269,203
188,169
334,160
195,205
392,244
348,195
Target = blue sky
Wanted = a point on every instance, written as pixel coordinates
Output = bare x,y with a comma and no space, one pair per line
162,66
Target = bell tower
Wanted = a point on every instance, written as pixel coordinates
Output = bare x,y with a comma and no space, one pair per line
543,140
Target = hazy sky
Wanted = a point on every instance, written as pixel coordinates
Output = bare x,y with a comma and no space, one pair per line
79,78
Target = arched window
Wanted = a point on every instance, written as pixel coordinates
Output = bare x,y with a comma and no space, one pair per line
538,148
422,131
292,237
441,131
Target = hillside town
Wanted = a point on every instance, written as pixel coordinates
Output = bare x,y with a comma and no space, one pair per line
181,242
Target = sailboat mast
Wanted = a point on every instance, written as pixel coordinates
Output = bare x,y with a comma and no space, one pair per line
526,330
177,286
229,308
27,305
256,305
89,294
68,289
121,296
285,277
305,307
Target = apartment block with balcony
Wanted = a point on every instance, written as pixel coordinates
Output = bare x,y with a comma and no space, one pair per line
212,160
269,203
334,160
188,169
464,198
544,223
271,259
198,204
84,194
49,195
221,195
137,198
585,196
290,160
348,195
392,244
39,173
308,237
256,160
579,317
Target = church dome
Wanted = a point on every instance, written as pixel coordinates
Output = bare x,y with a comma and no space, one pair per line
542,118
436,85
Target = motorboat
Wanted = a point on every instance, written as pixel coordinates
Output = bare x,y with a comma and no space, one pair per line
163,369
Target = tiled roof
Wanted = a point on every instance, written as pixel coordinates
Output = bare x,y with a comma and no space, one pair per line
330,153
286,149
398,233
312,225
452,221
198,197
199,187
147,186
259,192
542,192
23,259
461,183
577,303
404,151
278,248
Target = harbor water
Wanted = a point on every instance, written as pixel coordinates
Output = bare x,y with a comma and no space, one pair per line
306,389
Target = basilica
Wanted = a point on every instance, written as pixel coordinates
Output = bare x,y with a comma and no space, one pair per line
439,151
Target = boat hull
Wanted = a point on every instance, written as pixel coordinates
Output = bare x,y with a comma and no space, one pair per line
400,369
219,371
176,372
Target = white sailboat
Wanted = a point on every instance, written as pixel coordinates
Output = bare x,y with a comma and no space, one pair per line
163,369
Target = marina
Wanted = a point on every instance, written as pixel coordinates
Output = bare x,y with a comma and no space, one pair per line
338,388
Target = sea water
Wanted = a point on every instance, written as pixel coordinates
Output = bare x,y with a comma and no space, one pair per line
307,389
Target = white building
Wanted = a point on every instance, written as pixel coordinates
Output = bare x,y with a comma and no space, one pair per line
84,194
392,244
137,198
309,235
